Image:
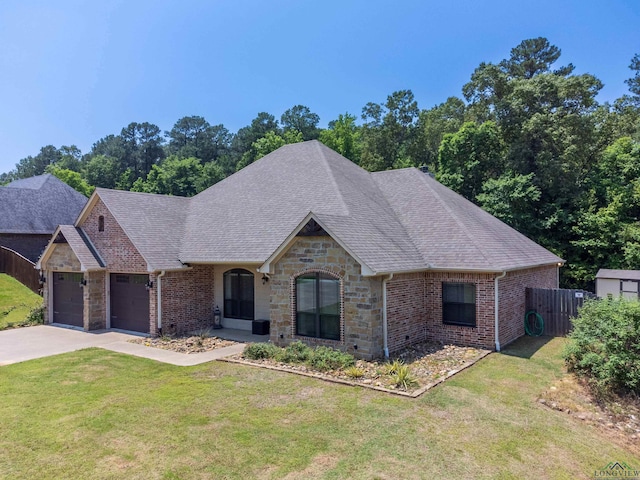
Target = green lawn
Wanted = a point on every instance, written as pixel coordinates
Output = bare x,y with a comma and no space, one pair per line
97,414
16,301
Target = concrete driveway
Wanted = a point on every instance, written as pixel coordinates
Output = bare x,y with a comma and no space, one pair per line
21,344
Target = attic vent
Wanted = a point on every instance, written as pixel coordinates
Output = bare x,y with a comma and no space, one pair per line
312,229
425,169
60,238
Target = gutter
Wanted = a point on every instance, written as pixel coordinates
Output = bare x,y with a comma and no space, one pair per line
496,309
159,299
385,328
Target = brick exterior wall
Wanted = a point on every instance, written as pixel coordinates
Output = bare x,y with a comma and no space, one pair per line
115,248
406,310
187,300
408,316
511,289
29,246
361,323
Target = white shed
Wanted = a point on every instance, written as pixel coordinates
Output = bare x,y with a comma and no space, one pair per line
613,283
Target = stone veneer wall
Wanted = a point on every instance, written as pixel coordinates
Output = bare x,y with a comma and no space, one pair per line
94,313
511,290
113,245
187,300
361,323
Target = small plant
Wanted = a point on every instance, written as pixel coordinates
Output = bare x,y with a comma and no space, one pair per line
403,378
354,372
166,337
393,367
325,358
295,352
203,333
36,316
257,351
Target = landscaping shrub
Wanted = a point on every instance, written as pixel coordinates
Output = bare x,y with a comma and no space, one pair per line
36,316
295,352
325,358
604,345
257,351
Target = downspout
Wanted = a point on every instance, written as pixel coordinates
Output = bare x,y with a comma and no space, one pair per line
159,299
496,309
385,327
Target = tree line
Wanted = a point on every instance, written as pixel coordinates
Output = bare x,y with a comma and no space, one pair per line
527,141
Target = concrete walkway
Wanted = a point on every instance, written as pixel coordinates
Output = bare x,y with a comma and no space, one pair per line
21,344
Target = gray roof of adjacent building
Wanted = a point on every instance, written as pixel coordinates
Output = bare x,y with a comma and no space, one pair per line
393,221
37,205
618,274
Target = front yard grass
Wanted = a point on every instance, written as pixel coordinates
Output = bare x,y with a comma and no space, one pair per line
98,414
16,301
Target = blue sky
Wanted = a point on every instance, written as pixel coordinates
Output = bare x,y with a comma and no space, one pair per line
73,71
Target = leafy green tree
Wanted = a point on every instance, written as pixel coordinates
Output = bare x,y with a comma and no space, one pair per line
32,166
70,158
470,157
71,178
246,136
142,144
343,136
174,176
389,131
634,82
212,173
195,137
512,198
267,144
300,119
102,171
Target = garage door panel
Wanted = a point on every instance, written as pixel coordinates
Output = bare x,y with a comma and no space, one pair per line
129,302
68,299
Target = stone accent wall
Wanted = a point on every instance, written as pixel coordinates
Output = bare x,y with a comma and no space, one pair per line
29,246
187,300
62,259
95,312
113,245
361,323
511,290
406,310
482,335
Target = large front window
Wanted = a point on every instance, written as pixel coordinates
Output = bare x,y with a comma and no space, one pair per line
238,294
459,304
318,306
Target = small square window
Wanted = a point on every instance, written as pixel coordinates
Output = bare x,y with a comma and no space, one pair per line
459,304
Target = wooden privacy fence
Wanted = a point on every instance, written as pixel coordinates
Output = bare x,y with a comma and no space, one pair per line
556,306
20,268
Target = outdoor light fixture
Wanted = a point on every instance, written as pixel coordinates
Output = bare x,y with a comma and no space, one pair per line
149,285
83,282
43,278
265,279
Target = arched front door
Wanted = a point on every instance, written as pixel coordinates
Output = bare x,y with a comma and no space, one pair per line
238,294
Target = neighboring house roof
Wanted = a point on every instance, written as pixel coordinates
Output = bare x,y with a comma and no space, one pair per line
394,221
79,243
37,205
618,274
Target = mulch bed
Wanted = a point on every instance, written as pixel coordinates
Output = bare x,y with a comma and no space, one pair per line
430,363
186,344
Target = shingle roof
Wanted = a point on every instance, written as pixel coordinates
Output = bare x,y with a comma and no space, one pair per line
452,232
393,221
37,205
153,223
618,274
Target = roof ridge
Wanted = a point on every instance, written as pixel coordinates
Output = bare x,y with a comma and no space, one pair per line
157,195
318,147
472,239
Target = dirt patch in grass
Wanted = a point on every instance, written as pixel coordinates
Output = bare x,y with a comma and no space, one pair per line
428,363
617,417
185,344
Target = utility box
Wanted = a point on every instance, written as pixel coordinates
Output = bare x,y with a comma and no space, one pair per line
260,327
